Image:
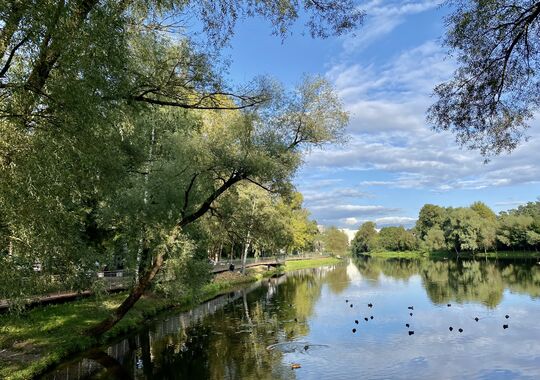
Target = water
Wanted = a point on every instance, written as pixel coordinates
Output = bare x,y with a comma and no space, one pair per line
303,318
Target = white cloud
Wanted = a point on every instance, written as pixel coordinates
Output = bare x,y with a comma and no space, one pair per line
382,17
318,196
391,146
389,131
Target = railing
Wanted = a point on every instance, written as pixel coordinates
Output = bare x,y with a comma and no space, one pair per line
122,279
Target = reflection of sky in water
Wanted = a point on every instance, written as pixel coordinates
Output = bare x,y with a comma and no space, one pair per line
382,348
228,337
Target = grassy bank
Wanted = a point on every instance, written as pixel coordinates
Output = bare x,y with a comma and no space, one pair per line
310,263
401,255
43,336
452,255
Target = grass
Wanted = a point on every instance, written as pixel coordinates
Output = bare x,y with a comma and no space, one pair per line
34,341
448,254
401,255
310,263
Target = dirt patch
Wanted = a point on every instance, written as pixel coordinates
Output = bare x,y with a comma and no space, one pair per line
230,277
19,356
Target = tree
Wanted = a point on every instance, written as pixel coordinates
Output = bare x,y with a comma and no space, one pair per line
493,93
487,237
483,211
301,230
335,241
462,230
260,148
396,239
102,156
430,216
435,239
365,239
513,229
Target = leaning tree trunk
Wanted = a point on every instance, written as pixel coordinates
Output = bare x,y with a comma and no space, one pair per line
135,294
146,280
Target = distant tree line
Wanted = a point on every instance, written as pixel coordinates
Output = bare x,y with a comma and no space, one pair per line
464,229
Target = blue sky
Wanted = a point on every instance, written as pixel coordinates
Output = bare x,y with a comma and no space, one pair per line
393,163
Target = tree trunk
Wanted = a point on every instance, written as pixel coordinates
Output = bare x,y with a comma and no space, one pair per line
247,245
132,298
146,280
11,25
52,48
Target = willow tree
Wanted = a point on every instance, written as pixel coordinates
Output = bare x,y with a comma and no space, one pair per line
492,96
105,138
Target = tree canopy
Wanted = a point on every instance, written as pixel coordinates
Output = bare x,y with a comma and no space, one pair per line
464,229
119,133
493,94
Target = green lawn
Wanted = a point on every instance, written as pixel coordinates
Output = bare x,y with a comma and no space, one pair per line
394,254
310,263
448,254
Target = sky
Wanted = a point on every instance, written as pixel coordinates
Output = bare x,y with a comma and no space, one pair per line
393,162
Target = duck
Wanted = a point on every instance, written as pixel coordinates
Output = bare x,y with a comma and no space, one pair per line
460,330
507,316
366,319
476,319
410,314
451,328
448,304
369,305
407,325
411,332
353,330
411,308
505,327
351,304
356,321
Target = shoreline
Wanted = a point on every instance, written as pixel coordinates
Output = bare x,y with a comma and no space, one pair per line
503,255
33,342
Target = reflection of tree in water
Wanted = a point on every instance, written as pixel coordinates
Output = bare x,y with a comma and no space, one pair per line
338,280
182,356
459,281
523,279
399,269
465,281
236,337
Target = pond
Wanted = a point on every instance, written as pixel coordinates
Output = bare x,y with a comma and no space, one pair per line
307,318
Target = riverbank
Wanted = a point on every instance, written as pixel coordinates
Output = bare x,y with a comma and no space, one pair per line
452,255
32,342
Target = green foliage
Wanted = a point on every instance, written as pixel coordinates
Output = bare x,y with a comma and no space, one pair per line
466,229
396,239
492,95
430,216
184,274
435,239
483,210
462,229
334,241
365,239
513,230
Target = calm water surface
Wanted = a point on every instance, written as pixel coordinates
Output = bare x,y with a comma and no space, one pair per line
305,319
